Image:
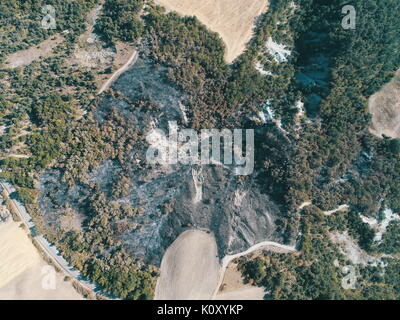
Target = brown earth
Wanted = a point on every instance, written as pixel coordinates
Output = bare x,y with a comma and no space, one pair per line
385,109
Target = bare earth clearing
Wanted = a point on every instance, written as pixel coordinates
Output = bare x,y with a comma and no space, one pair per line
26,57
385,109
21,269
246,293
234,288
232,19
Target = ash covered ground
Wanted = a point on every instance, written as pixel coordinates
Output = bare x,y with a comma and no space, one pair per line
172,198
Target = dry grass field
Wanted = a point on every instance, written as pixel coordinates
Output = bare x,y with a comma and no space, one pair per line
232,19
189,268
21,269
385,109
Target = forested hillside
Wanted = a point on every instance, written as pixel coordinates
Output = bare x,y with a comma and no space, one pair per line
21,22
338,160
326,156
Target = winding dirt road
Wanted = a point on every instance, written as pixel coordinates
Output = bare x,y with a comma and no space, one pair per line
266,246
132,60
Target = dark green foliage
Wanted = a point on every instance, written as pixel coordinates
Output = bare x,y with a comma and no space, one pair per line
316,271
391,239
20,22
360,230
310,275
394,146
118,274
119,20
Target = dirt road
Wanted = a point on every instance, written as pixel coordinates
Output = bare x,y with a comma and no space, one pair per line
120,71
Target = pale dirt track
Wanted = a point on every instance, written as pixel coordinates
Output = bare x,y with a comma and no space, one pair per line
265,246
120,71
232,19
21,269
189,269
